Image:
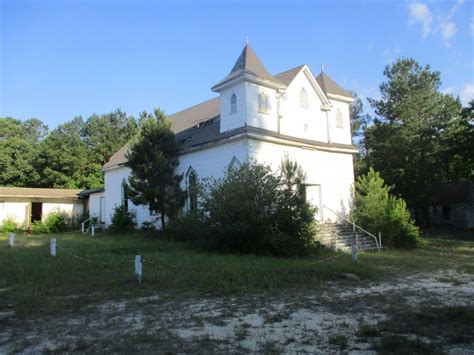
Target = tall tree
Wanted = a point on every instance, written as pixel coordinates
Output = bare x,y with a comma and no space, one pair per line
63,160
359,122
405,143
104,135
153,158
19,148
457,153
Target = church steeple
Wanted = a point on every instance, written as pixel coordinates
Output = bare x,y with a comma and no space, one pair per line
250,66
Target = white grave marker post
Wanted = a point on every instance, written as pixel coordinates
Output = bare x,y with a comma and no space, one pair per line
11,241
138,268
52,247
93,230
354,252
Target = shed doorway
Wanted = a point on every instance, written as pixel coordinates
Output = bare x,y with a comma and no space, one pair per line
36,211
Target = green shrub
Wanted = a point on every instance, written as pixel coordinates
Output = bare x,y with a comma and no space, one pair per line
38,227
188,227
255,210
56,222
9,225
122,220
378,211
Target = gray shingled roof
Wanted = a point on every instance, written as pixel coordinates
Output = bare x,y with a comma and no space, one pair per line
209,131
199,124
287,77
195,114
247,63
329,86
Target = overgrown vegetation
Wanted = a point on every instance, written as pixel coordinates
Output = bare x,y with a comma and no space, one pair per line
54,222
253,210
31,277
122,220
8,225
378,211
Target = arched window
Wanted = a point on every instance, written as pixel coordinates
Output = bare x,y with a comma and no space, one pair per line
234,164
262,103
192,189
339,123
233,103
124,193
303,98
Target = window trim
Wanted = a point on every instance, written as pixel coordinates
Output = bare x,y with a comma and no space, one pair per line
263,98
189,203
233,103
234,164
339,120
304,99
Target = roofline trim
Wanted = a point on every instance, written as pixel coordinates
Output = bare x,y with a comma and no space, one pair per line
314,83
286,140
341,98
42,197
251,78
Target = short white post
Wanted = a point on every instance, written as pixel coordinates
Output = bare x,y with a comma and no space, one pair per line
138,268
380,240
11,241
354,249
93,230
82,227
52,247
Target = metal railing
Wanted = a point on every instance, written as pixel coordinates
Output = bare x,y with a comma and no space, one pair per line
83,225
354,226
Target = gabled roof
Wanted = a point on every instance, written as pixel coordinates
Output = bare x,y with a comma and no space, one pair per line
329,86
118,158
287,77
31,192
199,124
247,63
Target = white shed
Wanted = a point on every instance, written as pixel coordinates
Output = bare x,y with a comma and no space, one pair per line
25,205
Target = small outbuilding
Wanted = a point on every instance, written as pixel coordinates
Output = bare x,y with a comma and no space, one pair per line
453,203
26,205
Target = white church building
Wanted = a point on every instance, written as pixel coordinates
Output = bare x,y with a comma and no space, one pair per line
257,117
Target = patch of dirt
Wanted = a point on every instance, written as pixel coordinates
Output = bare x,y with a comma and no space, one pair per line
343,316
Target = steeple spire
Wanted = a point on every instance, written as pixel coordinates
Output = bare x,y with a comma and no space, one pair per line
248,64
322,66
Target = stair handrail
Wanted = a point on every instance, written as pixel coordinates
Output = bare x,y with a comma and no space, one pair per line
84,223
354,225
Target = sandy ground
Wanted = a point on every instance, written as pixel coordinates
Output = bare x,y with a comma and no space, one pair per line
327,320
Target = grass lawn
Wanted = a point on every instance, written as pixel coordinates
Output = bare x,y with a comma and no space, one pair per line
32,281
402,301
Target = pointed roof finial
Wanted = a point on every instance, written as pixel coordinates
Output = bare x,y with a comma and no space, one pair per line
322,66
247,41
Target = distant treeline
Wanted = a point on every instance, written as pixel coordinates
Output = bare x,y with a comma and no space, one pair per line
69,156
418,137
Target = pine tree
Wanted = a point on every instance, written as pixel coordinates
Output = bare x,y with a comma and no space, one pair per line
153,159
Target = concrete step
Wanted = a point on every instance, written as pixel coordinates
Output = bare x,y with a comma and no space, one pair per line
341,237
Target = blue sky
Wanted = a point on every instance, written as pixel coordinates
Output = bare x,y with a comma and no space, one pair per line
61,59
